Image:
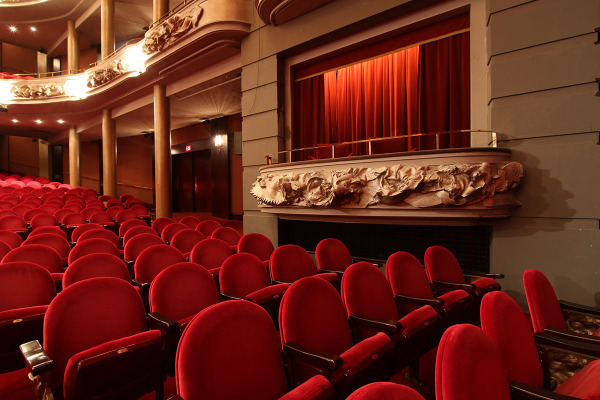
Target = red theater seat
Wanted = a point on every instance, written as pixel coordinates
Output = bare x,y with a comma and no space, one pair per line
150,262
160,223
186,239
548,313
211,253
10,238
44,219
317,339
370,306
332,256
231,351
504,322
257,244
291,262
91,246
170,230
41,255
48,229
412,289
96,344
57,242
385,390
190,221
125,226
94,266
80,230
100,234
207,227
138,230
228,235
138,243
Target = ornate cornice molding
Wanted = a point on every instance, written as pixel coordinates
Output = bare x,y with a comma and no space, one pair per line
171,30
452,185
38,91
106,73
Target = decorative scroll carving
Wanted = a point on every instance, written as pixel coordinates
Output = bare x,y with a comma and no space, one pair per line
171,30
452,185
38,91
563,365
583,323
107,73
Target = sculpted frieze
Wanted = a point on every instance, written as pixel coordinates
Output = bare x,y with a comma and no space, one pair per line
106,74
453,185
171,30
37,91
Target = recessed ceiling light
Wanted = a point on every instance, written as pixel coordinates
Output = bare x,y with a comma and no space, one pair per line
38,121
33,28
15,120
12,28
61,121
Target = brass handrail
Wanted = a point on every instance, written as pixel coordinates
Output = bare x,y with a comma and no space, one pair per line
493,143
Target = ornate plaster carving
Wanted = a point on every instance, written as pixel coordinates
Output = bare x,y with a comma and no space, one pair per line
171,30
107,73
451,185
38,91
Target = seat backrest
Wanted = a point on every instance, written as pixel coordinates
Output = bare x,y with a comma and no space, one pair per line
170,230
101,217
365,291
11,238
13,222
125,226
469,365
505,323
442,265
227,234
312,315
125,215
333,255
207,227
89,313
230,351
291,262
385,390
4,249
160,223
182,290
257,244
154,259
242,274
100,234
186,239
73,218
139,243
43,220
93,266
542,301
90,246
57,242
407,276
139,209
39,254
190,221
29,214
77,232
24,284
137,230
48,229
210,253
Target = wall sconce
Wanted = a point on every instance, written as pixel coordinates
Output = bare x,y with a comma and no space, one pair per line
218,142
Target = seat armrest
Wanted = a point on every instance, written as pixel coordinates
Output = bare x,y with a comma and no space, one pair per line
454,286
389,327
225,296
579,308
315,388
419,301
144,286
321,360
523,391
278,282
162,323
330,271
544,339
480,274
573,336
36,358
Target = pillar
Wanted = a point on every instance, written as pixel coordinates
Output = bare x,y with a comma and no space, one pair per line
162,152
159,8
107,25
72,48
74,158
109,154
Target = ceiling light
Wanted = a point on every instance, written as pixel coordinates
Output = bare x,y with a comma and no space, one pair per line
33,28
38,121
61,121
15,120
12,28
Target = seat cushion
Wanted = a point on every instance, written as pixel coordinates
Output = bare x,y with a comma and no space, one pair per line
454,296
583,385
484,283
317,387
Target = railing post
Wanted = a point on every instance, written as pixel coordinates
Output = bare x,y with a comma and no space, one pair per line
370,151
332,151
437,141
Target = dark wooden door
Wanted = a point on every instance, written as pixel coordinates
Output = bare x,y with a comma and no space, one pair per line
183,182
202,181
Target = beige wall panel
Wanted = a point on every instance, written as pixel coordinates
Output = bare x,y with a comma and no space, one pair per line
256,150
540,22
249,176
255,221
566,110
499,5
261,125
566,251
261,99
567,62
259,73
560,176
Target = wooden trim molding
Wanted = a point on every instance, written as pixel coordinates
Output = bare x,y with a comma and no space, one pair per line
277,12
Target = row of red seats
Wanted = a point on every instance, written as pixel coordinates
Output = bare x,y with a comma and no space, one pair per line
8,75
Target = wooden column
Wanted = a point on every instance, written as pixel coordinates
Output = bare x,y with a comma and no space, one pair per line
159,9
109,154
74,158
162,152
72,47
107,25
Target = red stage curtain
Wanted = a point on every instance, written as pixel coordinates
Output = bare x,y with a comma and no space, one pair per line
309,118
